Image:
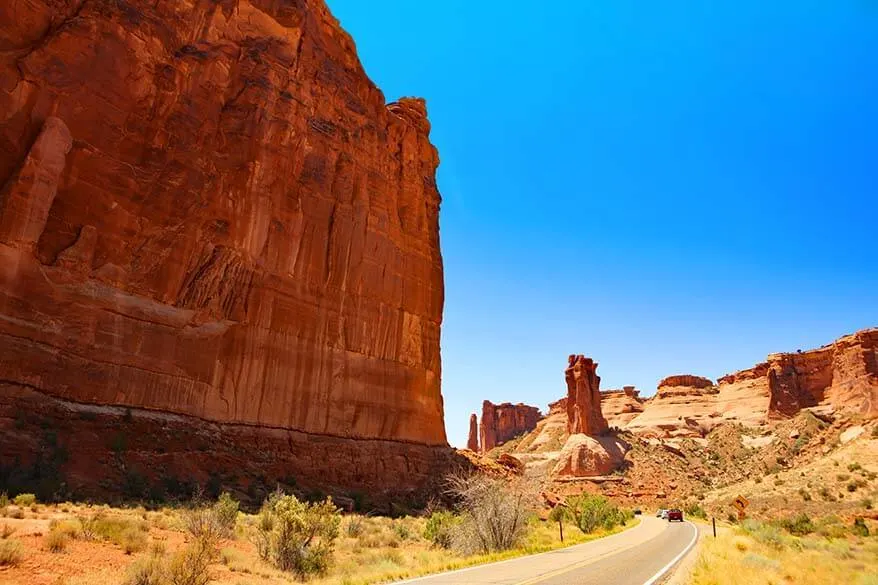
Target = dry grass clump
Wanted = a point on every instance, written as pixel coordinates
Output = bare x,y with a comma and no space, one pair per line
11,552
759,553
128,533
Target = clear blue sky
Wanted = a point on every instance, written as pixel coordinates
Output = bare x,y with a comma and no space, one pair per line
668,187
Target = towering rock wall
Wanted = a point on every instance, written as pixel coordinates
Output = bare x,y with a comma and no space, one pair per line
502,422
583,397
208,210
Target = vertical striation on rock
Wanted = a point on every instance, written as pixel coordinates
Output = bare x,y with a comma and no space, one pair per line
472,442
213,212
583,397
503,422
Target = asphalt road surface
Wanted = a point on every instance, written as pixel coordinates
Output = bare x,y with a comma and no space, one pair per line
639,556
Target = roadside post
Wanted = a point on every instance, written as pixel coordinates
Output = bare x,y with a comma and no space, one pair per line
714,527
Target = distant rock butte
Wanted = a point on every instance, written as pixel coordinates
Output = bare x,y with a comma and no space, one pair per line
503,422
213,213
583,397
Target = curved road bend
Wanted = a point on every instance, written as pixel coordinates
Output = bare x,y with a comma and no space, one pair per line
637,556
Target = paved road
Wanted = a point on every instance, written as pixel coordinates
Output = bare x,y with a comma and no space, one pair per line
633,557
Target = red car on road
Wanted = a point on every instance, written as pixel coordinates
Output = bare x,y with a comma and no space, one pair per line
675,515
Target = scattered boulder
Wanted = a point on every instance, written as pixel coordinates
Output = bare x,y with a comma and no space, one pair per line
586,456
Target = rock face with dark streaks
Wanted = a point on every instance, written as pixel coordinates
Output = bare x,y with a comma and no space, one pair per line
208,210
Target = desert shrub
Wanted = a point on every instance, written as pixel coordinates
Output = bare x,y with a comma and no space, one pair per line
402,530
806,495
860,528
212,522
297,536
226,510
10,552
592,512
25,500
6,531
800,525
124,532
842,477
695,510
354,526
767,534
875,432
190,566
4,501
852,486
61,532
854,467
439,528
867,503
149,570
493,512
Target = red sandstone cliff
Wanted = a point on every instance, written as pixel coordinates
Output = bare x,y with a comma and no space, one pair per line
502,422
209,210
842,375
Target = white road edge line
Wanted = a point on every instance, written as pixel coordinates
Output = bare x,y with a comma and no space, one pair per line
483,565
676,559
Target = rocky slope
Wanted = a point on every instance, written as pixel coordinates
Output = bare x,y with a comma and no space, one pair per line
208,210
620,407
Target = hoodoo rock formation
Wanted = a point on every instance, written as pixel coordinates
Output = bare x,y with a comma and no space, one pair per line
503,422
583,397
472,442
213,231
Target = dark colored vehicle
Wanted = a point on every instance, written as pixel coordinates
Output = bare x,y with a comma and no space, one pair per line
675,515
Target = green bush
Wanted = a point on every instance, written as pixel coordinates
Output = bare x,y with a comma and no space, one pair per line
212,522
860,528
439,528
402,530
590,513
124,532
297,536
226,510
25,500
800,525
696,511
